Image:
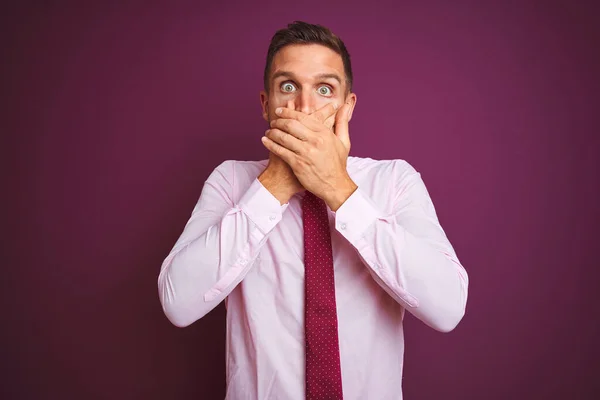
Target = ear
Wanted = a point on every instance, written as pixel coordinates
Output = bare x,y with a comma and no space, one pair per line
264,102
351,99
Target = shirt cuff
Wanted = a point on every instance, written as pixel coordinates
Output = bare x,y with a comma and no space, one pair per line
355,216
261,207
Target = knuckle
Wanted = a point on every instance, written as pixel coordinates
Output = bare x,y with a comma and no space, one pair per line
299,164
282,136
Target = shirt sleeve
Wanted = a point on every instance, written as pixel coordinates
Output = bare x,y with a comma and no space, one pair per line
407,251
218,246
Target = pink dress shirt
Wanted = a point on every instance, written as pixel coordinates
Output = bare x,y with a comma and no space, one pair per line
242,246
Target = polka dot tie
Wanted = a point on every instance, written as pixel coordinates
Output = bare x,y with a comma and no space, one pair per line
323,372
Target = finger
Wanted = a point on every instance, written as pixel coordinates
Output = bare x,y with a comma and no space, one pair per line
341,125
284,139
291,126
328,110
312,121
330,122
305,119
280,151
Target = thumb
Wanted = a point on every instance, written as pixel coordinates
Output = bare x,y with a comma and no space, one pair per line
341,125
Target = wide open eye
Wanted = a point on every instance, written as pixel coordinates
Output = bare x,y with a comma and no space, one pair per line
288,87
325,90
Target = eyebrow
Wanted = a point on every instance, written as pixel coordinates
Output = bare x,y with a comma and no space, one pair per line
290,75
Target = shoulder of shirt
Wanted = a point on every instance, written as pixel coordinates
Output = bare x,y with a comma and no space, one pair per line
239,166
398,167
235,176
242,164
239,172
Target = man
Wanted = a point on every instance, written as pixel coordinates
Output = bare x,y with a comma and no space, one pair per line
316,254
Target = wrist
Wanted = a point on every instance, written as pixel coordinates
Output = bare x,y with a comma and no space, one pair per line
340,194
276,186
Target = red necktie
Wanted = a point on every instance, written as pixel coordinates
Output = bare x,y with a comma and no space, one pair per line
323,372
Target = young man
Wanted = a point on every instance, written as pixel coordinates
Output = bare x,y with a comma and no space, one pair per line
316,253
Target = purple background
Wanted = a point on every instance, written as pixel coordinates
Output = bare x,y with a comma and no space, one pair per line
113,117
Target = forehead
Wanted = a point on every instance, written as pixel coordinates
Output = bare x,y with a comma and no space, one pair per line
307,60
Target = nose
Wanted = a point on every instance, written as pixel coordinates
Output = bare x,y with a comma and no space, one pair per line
305,102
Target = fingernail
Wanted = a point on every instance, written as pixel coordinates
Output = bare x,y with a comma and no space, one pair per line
278,110
267,131
336,106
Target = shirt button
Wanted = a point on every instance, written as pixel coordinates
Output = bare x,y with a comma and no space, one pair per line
243,261
272,218
343,226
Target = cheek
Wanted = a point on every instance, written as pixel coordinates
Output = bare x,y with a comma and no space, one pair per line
273,104
322,101
279,100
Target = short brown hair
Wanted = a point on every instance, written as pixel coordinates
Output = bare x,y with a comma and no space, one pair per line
300,32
